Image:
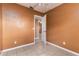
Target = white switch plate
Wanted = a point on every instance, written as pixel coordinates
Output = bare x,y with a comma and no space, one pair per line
33,28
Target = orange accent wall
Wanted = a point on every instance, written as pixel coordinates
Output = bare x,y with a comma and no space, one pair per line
63,26
0,26
18,23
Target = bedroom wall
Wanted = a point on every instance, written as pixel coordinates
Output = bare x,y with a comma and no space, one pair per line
18,23
0,27
63,26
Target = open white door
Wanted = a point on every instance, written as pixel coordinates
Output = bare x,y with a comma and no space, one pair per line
44,31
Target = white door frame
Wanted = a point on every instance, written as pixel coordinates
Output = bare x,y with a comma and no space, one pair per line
35,16
42,18
44,30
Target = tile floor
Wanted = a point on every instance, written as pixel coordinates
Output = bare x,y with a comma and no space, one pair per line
38,50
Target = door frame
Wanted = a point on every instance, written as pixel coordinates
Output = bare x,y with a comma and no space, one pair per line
44,30
35,16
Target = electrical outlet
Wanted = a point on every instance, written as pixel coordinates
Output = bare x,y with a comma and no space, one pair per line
15,42
64,43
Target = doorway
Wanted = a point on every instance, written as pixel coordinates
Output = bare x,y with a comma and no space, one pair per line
40,30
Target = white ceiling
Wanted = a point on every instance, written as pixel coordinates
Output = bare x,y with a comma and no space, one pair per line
41,7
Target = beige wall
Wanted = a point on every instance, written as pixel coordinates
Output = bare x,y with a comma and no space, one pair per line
0,26
63,26
18,23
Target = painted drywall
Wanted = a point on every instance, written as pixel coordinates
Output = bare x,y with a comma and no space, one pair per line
63,26
0,26
18,23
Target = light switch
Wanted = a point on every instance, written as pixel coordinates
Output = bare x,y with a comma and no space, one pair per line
33,28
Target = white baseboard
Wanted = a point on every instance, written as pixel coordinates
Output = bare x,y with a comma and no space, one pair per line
5,50
33,44
63,48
